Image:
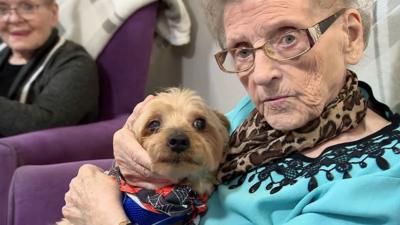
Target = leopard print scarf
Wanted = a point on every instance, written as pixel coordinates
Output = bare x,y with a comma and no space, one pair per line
255,142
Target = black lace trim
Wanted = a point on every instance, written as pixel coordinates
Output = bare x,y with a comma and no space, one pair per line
340,157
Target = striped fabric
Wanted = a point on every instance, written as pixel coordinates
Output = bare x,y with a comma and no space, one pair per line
92,23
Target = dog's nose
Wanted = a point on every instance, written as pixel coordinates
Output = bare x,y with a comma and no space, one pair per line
178,142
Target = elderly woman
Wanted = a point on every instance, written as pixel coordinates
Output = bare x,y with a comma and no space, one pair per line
310,145
45,80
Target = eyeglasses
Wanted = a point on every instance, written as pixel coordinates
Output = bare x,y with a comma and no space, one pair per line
285,44
24,10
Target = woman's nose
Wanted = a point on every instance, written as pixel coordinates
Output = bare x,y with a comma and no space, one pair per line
265,70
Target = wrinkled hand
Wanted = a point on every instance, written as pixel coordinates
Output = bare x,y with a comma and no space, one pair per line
134,162
93,198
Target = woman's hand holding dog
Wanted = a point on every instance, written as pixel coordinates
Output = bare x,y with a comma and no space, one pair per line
83,205
134,162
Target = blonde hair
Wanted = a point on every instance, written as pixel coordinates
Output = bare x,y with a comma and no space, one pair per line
214,12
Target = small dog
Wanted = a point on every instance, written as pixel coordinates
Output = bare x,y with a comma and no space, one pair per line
184,137
186,141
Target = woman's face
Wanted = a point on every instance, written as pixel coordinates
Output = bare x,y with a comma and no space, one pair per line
26,32
291,93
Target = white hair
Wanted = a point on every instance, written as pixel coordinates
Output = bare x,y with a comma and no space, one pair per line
214,12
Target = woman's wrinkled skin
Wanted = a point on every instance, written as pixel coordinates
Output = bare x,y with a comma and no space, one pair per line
93,198
25,36
290,94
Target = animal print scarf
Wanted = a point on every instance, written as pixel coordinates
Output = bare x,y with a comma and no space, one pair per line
255,142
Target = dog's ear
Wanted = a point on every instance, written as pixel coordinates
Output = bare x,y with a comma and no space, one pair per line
224,120
227,125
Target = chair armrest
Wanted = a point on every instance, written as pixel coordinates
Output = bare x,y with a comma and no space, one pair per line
37,192
66,144
8,166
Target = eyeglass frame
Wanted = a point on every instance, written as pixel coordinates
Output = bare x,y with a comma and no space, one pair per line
5,17
314,33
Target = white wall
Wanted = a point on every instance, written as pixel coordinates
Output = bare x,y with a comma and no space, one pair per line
193,66
201,72
380,65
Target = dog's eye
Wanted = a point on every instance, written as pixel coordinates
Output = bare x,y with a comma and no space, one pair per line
154,125
199,124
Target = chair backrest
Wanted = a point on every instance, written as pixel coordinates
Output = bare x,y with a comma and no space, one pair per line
124,62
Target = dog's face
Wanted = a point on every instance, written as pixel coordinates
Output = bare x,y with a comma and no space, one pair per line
183,136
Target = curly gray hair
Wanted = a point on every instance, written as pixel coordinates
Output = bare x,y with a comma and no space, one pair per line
214,11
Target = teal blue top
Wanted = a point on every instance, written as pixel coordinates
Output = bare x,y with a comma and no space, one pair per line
348,184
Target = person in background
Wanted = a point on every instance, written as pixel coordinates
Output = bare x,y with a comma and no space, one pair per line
309,145
45,80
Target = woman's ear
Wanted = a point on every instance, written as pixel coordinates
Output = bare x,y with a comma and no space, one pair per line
54,13
354,44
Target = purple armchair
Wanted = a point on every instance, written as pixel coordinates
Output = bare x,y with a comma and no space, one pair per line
36,167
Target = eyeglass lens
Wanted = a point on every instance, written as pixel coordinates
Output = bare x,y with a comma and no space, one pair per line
284,45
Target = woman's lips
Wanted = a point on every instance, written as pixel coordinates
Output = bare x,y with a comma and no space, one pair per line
20,33
277,101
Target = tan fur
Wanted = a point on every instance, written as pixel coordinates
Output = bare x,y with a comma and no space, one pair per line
177,109
64,222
